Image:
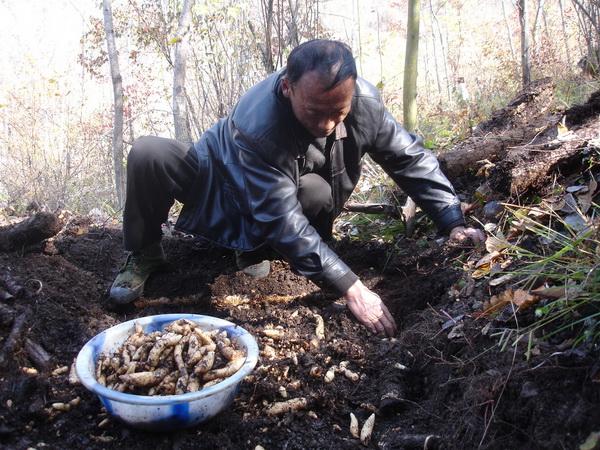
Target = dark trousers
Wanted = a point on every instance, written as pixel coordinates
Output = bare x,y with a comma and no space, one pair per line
160,171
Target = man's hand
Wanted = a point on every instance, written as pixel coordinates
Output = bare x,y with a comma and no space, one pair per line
368,308
462,235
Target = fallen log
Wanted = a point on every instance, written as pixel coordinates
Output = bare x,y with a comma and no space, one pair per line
30,231
392,396
37,355
523,168
518,123
7,315
399,440
372,208
13,338
560,149
13,288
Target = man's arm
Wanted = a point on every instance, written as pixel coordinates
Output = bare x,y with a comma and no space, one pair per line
416,170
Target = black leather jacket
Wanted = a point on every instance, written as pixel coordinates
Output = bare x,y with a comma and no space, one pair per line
245,194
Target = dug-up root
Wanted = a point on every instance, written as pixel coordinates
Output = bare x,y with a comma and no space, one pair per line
291,405
182,358
142,303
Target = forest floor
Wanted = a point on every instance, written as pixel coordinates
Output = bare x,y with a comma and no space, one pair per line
443,376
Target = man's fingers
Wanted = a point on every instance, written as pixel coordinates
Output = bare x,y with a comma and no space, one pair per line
388,322
370,326
379,327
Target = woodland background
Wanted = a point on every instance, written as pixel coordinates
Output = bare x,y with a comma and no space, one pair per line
57,111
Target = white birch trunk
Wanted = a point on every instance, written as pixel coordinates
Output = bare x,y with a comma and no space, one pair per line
180,112
525,59
410,93
117,82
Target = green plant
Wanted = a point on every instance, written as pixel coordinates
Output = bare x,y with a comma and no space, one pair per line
563,265
574,91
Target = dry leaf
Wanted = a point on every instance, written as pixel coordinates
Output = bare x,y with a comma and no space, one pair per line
570,205
561,128
585,198
520,298
524,299
497,302
579,188
495,244
554,292
487,260
486,265
537,212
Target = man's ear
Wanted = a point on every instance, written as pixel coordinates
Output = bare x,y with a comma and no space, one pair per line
286,87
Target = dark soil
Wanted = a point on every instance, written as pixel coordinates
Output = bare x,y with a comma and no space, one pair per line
437,377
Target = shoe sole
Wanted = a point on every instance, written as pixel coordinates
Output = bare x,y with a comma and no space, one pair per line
258,271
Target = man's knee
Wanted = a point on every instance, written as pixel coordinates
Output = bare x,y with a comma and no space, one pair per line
144,149
315,195
151,152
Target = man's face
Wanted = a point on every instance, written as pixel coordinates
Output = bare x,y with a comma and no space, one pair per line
318,110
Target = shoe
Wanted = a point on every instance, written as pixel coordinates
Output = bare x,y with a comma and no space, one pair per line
129,283
253,263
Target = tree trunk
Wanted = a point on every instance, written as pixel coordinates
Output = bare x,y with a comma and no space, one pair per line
442,50
435,57
509,34
117,83
267,13
31,231
181,119
588,13
525,58
360,55
536,27
411,66
410,93
564,30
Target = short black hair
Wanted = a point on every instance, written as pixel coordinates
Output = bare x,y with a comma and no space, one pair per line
333,60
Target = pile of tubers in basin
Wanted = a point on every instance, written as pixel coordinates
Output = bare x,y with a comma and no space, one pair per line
182,358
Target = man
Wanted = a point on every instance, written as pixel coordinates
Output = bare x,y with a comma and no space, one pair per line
276,172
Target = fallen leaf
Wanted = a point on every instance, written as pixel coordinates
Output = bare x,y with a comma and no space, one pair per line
577,222
524,299
520,298
570,205
537,212
497,302
457,331
495,244
487,260
585,198
561,128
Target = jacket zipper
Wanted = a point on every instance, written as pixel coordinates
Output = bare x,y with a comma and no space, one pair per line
332,160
